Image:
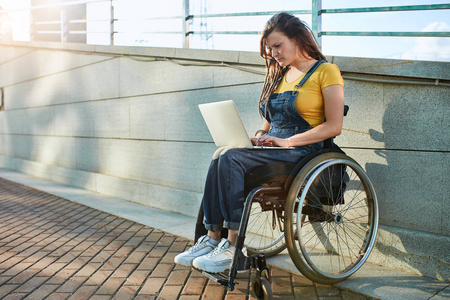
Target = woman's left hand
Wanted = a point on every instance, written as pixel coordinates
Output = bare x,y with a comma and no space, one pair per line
265,140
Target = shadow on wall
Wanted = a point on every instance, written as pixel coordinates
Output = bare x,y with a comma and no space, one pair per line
410,186
49,135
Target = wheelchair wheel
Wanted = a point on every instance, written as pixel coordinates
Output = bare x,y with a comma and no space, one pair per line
332,218
265,230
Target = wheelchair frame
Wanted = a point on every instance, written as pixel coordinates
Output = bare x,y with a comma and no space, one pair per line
312,229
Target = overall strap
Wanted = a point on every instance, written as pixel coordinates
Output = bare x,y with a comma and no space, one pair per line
309,73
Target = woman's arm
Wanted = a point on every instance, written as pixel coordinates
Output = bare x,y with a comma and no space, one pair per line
333,97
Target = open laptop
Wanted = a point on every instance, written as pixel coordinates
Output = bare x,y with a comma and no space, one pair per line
226,127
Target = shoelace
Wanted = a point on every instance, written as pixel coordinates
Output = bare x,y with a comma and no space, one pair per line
217,250
196,246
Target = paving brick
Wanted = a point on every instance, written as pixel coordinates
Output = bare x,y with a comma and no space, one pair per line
99,277
137,277
42,292
6,289
178,277
58,296
281,285
215,291
23,276
71,285
162,270
170,292
31,284
305,293
88,269
110,286
194,286
126,292
152,286
124,270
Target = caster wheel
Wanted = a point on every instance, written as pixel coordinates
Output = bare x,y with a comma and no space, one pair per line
261,288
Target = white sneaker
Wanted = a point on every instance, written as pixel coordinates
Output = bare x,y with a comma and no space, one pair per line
202,247
216,261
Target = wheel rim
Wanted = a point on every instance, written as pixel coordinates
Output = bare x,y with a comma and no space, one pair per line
336,237
264,233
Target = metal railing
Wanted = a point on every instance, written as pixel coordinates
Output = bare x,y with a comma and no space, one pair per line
63,23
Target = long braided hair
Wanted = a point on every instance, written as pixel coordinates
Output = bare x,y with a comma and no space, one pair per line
293,28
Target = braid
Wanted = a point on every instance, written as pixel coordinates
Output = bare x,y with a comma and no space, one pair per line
274,74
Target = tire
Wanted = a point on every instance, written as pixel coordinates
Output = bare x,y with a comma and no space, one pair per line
332,218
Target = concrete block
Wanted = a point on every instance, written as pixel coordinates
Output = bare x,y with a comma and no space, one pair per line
4,145
75,119
363,124
112,49
96,81
251,58
408,187
224,76
39,120
87,155
20,146
112,118
168,199
54,151
40,92
394,67
12,121
114,157
147,116
413,251
72,177
169,164
61,61
182,111
412,116
8,162
11,53
208,55
153,52
137,78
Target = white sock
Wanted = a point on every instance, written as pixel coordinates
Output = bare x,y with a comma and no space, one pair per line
213,242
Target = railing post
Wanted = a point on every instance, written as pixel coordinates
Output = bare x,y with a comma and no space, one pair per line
111,27
186,20
317,20
64,24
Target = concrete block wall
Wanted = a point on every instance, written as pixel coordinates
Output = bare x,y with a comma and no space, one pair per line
123,121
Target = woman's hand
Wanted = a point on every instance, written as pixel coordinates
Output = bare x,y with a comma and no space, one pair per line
267,140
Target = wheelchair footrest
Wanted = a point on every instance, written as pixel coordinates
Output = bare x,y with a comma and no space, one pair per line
217,277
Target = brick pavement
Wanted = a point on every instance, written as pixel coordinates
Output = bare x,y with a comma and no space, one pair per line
52,248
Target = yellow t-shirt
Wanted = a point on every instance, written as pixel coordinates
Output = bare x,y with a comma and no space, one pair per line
309,101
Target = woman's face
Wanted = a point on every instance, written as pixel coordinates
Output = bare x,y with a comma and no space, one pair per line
283,49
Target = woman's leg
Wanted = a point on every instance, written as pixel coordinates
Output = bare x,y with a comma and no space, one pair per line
210,202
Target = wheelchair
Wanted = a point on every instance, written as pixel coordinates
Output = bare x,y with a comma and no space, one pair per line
323,209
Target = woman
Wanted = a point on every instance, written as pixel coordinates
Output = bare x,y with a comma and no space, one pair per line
294,110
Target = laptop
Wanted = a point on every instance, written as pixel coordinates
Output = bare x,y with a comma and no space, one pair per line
226,127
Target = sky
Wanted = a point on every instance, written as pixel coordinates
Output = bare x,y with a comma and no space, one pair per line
133,30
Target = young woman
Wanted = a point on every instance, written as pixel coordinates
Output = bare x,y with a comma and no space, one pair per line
297,113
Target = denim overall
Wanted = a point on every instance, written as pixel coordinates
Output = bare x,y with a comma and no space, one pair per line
223,198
